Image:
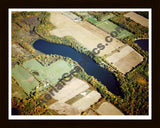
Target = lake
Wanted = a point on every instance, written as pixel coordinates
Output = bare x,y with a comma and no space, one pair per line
143,43
91,68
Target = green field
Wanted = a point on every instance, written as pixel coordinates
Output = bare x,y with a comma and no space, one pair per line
92,20
108,17
26,80
50,73
108,26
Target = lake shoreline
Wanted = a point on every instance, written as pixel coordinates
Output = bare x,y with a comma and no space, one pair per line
100,73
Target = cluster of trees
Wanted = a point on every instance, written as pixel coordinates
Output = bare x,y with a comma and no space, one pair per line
128,24
46,60
28,47
136,93
29,106
25,20
45,26
145,14
22,25
117,13
18,59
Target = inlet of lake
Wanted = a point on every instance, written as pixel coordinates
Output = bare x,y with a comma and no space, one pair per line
91,68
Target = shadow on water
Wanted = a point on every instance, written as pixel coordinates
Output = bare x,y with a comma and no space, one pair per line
92,68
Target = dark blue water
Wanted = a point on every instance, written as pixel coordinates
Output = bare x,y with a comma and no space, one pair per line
92,68
143,43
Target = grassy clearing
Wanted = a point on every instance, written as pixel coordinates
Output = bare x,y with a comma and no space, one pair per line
108,26
92,20
108,17
26,80
17,90
50,73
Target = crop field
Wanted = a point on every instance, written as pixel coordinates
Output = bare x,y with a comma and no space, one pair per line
25,79
50,73
85,33
85,102
108,17
74,97
107,108
138,18
16,49
92,20
108,26
125,59
64,109
71,89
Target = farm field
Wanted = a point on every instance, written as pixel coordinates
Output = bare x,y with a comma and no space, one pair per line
115,81
88,35
64,109
92,20
108,16
16,49
108,26
138,18
125,60
26,81
85,102
74,98
51,73
71,89
107,108
17,91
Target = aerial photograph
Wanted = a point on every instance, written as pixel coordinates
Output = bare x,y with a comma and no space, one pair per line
87,63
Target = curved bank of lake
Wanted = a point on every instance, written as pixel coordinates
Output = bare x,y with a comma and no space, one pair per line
91,68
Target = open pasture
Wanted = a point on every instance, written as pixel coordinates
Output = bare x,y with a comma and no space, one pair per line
108,26
26,80
49,74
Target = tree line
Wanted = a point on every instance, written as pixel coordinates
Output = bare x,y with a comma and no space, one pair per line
131,26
